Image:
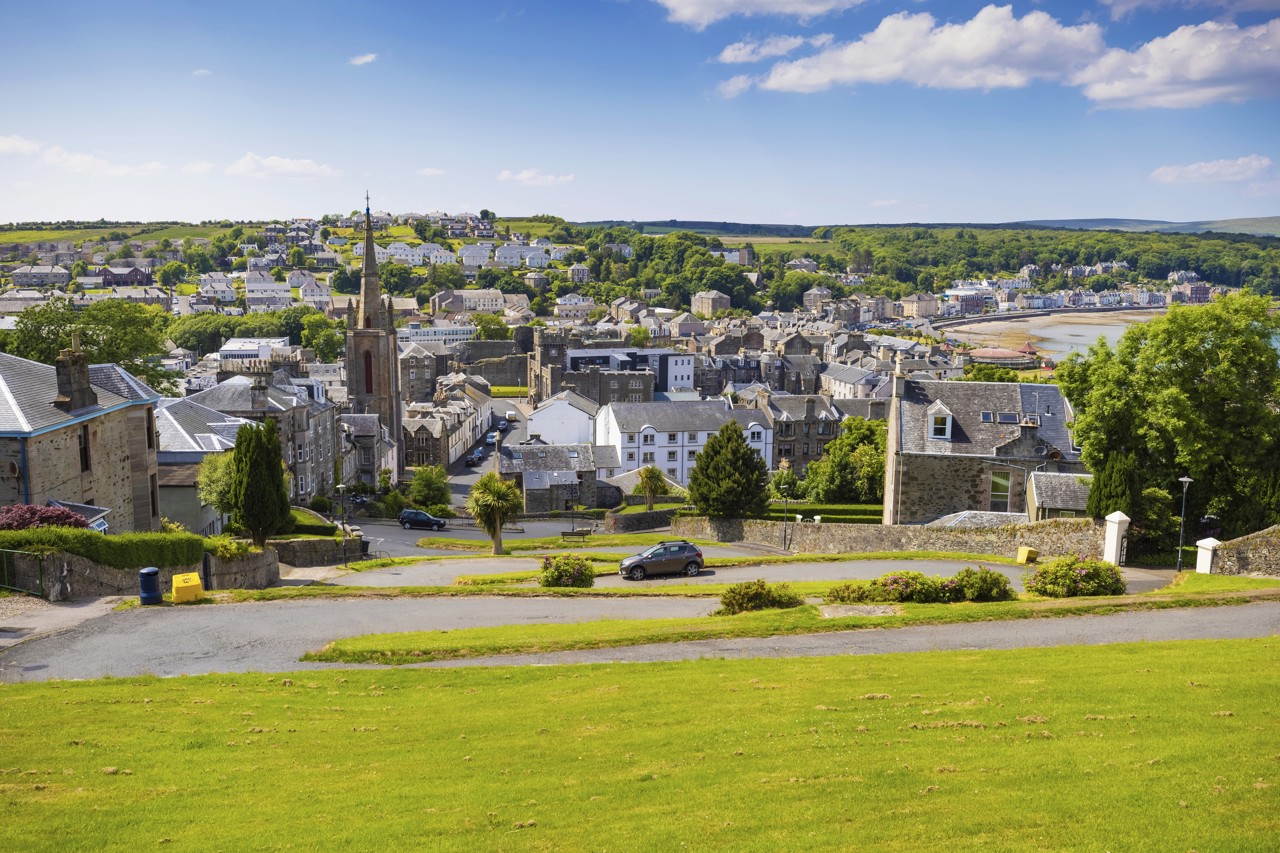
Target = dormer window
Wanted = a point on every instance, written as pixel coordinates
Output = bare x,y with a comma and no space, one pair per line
939,422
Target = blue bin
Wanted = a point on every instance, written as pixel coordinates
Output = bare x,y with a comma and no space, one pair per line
149,586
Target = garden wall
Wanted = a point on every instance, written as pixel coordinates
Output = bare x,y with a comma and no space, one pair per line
1257,553
88,579
632,521
1050,538
302,553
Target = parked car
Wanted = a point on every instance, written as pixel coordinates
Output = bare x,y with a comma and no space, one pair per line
475,457
665,558
502,426
491,438
410,518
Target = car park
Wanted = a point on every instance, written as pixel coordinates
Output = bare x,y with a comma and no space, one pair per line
665,558
411,518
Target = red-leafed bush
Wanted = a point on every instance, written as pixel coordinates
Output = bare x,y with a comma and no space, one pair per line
24,516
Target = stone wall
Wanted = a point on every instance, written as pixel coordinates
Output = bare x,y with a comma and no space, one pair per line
69,576
1258,553
507,370
325,551
632,521
1057,536
256,571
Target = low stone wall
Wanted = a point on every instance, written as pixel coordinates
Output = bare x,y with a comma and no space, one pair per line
302,553
632,521
1050,538
256,571
1256,554
69,576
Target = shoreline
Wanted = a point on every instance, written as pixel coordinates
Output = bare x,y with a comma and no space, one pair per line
1055,334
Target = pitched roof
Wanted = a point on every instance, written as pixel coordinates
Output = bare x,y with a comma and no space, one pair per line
527,458
1061,491
704,416
185,425
970,436
573,398
28,389
236,395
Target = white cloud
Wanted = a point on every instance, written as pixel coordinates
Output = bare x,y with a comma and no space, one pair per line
533,178
993,50
1124,8
700,13
754,51
1190,67
430,171
13,144
201,72
1213,171
254,166
362,59
88,164
735,86
198,167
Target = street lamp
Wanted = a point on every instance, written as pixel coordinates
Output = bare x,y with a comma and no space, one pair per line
342,512
785,488
1182,521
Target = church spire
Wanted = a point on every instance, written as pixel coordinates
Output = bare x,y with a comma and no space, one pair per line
370,292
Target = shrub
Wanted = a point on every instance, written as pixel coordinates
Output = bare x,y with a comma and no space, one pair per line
315,528
1070,576
224,547
567,570
983,584
919,588
375,509
442,511
321,504
757,595
119,551
856,593
167,526
26,516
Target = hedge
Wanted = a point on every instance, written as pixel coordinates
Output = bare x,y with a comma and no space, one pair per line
119,550
316,529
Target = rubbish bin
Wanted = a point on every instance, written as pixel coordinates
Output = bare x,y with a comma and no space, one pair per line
149,586
364,547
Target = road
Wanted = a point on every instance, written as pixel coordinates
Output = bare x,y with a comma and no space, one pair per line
271,636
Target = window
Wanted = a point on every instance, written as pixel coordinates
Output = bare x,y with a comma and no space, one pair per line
671,472
693,454
806,448
671,438
613,384
573,454
646,457
940,427
631,456
155,495
824,428
671,456
784,449
1067,513
806,430
413,374
85,461
631,438
647,438
151,429
516,454
1006,417
755,435
1000,492
693,436
988,417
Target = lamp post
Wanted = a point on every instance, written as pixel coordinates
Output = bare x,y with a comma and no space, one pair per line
342,511
785,488
1182,520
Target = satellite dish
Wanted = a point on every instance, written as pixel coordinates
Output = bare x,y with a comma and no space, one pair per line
1041,450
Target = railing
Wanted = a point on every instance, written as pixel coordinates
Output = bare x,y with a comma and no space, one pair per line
12,578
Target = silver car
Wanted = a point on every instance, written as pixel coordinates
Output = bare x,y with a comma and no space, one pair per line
665,558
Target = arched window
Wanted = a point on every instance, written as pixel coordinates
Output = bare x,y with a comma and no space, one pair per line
368,372
367,324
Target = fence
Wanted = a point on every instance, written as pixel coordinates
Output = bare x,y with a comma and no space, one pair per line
22,572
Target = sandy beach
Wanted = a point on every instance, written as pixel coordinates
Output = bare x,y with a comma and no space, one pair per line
1055,334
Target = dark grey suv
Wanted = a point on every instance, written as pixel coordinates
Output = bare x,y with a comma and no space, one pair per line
665,558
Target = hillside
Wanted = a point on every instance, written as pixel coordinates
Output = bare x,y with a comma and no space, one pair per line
1263,226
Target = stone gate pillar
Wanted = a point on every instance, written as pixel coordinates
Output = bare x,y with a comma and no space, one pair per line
1206,550
1113,541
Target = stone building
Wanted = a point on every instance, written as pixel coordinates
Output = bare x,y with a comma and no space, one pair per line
802,426
706,303
957,446
420,364
80,434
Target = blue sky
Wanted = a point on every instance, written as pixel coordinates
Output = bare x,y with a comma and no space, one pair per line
798,111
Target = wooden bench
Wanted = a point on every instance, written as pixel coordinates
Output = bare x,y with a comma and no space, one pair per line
580,534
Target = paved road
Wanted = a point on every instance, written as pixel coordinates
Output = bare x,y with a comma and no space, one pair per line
271,636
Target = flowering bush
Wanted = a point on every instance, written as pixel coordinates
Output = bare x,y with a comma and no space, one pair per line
24,516
566,570
1071,576
980,584
756,595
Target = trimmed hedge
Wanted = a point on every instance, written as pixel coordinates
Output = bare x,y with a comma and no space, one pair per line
316,529
119,550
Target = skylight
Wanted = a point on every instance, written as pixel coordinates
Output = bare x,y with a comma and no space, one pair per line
1007,418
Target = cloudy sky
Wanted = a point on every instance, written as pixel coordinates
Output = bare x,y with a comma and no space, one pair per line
801,111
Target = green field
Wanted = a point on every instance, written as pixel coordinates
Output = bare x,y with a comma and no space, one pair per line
509,390
1146,747
76,235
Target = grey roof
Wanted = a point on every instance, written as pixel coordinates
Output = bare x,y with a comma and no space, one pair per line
793,407
121,382
965,402
362,424
27,392
185,425
573,398
978,518
627,482
1061,491
235,395
708,416
527,458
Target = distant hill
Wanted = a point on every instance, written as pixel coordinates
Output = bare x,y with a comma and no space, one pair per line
707,228
1263,226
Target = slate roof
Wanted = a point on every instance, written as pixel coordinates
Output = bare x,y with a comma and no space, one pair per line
186,425
969,435
550,457
121,382
792,408
1061,491
976,518
362,424
573,398
235,395
704,416
27,392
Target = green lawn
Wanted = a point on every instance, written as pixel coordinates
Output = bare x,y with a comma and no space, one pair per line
509,390
548,543
1145,747
657,505
831,513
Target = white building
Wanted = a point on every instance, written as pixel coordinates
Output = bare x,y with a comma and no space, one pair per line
439,332
565,418
574,306
670,435
247,349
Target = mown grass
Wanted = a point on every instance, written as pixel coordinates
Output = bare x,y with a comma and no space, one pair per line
555,543
419,646
1142,747
509,391
1193,582
634,508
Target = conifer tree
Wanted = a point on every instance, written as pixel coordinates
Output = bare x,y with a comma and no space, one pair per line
260,501
1115,487
730,479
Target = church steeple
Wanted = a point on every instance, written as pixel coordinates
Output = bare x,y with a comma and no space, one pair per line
370,291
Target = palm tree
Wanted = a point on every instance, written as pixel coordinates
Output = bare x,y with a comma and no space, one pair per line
493,502
650,483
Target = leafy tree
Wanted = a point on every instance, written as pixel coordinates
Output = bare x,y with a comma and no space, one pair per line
487,215
851,469
321,334
429,486
651,484
989,373
640,336
1115,487
785,484
730,479
491,327
172,273
395,278
343,280
79,269
213,481
259,499
493,502
291,321
277,273
297,257
1194,393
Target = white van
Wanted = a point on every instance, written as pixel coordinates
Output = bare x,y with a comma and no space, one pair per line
511,416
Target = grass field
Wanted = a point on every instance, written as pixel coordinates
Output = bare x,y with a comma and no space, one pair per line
1148,747
509,390
172,232
657,505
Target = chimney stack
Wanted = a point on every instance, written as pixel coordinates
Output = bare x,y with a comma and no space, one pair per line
258,395
72,370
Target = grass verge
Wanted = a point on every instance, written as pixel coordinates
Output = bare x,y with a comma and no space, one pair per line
1144,747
